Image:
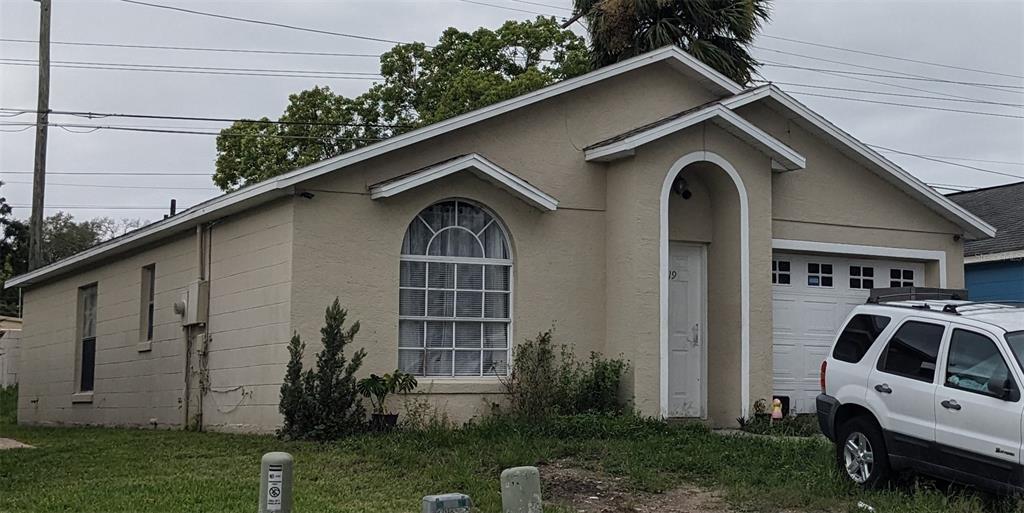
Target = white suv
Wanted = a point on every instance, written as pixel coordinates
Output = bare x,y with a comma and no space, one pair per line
929,385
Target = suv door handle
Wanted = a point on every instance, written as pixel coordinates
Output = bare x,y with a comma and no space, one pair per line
883,388
950,404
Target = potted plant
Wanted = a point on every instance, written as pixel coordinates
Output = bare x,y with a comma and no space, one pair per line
378,388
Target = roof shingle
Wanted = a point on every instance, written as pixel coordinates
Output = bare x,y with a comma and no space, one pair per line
1001,206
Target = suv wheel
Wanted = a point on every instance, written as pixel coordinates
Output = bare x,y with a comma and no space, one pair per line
860,453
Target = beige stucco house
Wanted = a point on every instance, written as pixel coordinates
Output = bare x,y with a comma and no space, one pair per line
714,236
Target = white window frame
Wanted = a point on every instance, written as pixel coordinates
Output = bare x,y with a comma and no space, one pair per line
860,277
903,281
776,272
483,261
820,274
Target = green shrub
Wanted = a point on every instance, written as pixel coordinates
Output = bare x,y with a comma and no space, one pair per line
9,404
547,380
323,403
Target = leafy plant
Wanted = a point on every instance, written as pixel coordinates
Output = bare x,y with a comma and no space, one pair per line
378,388
9,405
546,380
792,425
323,403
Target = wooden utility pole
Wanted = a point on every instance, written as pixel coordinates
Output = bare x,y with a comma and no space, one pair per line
35,240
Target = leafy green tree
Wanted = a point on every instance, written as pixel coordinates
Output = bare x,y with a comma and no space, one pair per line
717,32
323,403
63,236
421,85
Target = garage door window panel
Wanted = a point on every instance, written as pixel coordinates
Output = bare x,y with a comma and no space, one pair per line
901,277
862,277
819,275
781,272
913,351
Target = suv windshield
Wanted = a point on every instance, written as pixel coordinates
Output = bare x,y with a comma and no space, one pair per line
1016,341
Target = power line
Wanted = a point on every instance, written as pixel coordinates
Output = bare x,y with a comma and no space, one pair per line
68,126
1005,162
937,98
925,107
957,164
111,173
211,188
199,49
884,56
222,69
861,66
898,77
540,4
99,207
496,6
194,72
92,115
262,22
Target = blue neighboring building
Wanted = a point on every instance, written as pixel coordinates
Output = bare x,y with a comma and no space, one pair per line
994,268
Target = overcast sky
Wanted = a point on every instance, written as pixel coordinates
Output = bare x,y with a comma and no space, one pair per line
981,35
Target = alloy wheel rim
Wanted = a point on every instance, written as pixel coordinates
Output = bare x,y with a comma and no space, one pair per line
858,457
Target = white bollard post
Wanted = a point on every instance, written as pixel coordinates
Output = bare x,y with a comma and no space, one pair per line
520,490
276,482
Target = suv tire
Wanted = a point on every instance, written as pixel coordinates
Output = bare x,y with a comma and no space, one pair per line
860,453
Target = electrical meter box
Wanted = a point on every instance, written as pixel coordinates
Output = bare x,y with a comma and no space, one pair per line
447,503
197,303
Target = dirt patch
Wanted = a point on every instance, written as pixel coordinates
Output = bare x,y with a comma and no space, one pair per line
587,491
10,443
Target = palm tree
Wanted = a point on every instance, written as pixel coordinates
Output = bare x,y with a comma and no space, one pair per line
715,31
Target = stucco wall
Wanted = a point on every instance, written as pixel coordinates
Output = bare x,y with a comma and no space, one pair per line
131,387
250,314
835,199
347,245
135,383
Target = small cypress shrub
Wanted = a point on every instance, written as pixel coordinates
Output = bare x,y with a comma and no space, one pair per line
323,403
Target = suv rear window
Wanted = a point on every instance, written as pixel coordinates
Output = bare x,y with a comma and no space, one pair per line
857,337
912,351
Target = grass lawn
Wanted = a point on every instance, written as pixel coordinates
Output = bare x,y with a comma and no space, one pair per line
111,470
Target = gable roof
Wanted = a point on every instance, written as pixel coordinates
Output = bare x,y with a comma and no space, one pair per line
1003,207
973,226
625,144
284,185
474,163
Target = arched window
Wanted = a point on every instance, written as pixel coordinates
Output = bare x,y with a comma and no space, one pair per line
455,293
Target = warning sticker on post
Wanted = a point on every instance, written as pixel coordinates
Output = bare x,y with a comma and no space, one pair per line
275,478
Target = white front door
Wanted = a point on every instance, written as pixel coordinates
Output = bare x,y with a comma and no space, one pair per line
686,331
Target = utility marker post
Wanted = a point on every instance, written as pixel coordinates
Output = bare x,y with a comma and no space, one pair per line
35,236
276,482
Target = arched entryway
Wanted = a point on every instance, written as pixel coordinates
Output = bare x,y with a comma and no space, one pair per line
704,290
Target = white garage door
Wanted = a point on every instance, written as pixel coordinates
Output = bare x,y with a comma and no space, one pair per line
811,296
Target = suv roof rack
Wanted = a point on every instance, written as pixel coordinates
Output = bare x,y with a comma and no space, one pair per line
884,295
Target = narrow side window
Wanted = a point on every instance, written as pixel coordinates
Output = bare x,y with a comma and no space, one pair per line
86,337
858,336
146,303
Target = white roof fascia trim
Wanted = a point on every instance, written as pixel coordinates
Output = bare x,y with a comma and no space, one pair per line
994,257
960,215
290,179
473,161
779,152
190,216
